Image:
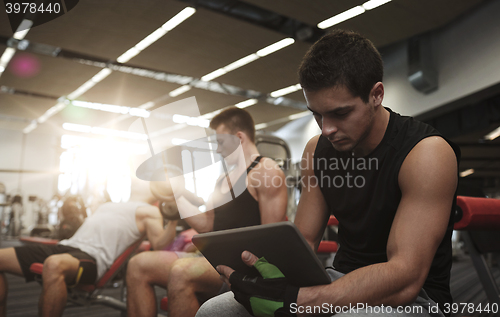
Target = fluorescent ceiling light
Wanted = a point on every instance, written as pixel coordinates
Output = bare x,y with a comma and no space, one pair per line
150,39
193,121
156,35
30,127
103,131
125,57
467,172
118,133
243,61
76,127
299,115
275,47
179,91
7,56
2,69
341,17
25,27
52,111
138,112
213,75
246,103
285,91
178,18
147,105
82,89
261,126
493,134
372,4
101,75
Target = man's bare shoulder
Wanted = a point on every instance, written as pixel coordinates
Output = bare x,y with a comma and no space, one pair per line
430,159
147,211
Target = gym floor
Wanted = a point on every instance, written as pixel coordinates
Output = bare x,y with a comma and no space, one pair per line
23,297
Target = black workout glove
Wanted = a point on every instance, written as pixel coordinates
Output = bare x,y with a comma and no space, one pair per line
266,296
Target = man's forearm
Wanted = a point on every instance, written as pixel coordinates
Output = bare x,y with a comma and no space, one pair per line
384,283
166,237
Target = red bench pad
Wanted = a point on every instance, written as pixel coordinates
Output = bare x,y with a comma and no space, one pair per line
478,213
327,247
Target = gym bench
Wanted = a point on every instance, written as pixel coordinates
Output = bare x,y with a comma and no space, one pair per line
85,295
478,219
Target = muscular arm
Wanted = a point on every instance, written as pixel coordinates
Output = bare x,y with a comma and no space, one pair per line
150,221
428,179
312,212
268,180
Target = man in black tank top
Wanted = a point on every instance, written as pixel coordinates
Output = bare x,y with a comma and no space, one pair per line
388,179
262,198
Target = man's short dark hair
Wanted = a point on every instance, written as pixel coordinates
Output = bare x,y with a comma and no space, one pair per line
235,119
342,58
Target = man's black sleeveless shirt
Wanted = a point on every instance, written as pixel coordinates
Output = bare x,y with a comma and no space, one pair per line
242,211
363,193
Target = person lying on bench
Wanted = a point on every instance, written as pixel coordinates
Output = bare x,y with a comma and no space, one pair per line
89,253
189,276
388,179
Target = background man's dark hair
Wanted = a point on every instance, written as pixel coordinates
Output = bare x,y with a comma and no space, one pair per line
342,58
235,119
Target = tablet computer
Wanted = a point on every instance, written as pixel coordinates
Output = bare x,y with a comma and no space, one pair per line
280,243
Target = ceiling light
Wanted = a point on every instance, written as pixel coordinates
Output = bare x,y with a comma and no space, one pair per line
82,89
341,17
261,126
374,3
118,133
299,115
493,134
102,107
151,38
179,91
243,61
30,127
246,103
147,105
275,47
467,172
285,91
193,121
213,75
125,57
25,27
178,18
7,56
76,127
138,112
103,131
52,111
101,75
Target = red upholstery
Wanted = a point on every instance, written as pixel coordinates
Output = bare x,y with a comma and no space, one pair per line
333,221
38,240
36,268
327,247
478,213
164,304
